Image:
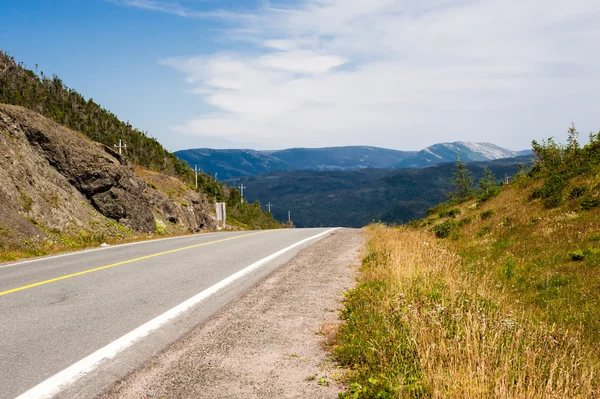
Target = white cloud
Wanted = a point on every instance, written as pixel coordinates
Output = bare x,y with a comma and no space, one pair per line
400,74
176,8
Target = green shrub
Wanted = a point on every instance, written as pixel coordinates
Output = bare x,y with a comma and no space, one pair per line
488,186
577,192
160,227
443,230
588,202
577,256
552,192
484,230
465,221
413,224
451,213
508,269
486,214
594,237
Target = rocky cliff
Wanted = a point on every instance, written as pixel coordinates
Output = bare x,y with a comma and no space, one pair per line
55,183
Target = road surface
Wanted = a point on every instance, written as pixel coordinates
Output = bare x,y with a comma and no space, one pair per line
80,321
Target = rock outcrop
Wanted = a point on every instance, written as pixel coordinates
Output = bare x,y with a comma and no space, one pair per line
53,178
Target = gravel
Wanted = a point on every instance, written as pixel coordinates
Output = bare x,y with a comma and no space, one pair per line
268,343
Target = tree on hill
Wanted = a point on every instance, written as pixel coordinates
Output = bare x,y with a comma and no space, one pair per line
462,183
488,185
52,98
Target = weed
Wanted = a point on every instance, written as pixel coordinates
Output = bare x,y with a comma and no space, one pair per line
451,213
487,214
508,269
413,224
324,382
577,191
33,221
464,221
484,231
160,228
26,201
577,256
594,237
423,322
589,202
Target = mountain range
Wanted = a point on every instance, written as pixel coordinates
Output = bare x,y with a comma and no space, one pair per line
355,198
232,163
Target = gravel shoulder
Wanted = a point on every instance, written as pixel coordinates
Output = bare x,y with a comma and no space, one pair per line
268,343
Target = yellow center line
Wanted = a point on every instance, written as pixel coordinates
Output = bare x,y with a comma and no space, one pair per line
53,280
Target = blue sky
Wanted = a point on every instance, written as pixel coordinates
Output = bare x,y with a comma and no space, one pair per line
392,73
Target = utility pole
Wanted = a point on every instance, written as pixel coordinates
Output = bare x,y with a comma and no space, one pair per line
289,216
196,173
242,187
269,205
120,146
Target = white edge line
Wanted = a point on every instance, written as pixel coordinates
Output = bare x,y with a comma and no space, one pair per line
83,251
68,376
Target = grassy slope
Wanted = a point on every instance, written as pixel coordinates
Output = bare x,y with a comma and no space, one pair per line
506,306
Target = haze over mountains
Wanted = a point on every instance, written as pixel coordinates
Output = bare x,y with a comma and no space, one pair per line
232,163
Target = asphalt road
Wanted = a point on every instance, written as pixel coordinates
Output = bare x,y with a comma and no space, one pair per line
56,311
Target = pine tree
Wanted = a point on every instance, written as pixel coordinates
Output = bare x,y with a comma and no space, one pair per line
462,183
488,185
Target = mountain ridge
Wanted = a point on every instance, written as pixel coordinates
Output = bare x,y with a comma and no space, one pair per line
232,163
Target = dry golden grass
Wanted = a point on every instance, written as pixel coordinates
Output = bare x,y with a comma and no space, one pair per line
421,325
171,186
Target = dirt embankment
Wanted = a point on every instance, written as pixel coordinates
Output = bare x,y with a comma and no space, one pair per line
266,344
56,181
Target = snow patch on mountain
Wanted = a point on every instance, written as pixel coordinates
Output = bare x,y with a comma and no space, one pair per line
489,150
427,150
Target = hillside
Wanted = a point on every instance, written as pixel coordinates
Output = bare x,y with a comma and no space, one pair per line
117,187
50,97
447,152
59,188
357,198
486,298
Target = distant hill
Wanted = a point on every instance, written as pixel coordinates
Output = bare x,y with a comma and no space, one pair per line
467,151
235,163
340,158
356,198
230,164
226,164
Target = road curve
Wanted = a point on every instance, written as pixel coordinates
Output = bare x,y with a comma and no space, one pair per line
60,312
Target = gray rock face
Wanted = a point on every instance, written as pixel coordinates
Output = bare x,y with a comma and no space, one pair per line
63,179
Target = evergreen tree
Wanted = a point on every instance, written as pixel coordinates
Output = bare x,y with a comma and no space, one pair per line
488,185
462,183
